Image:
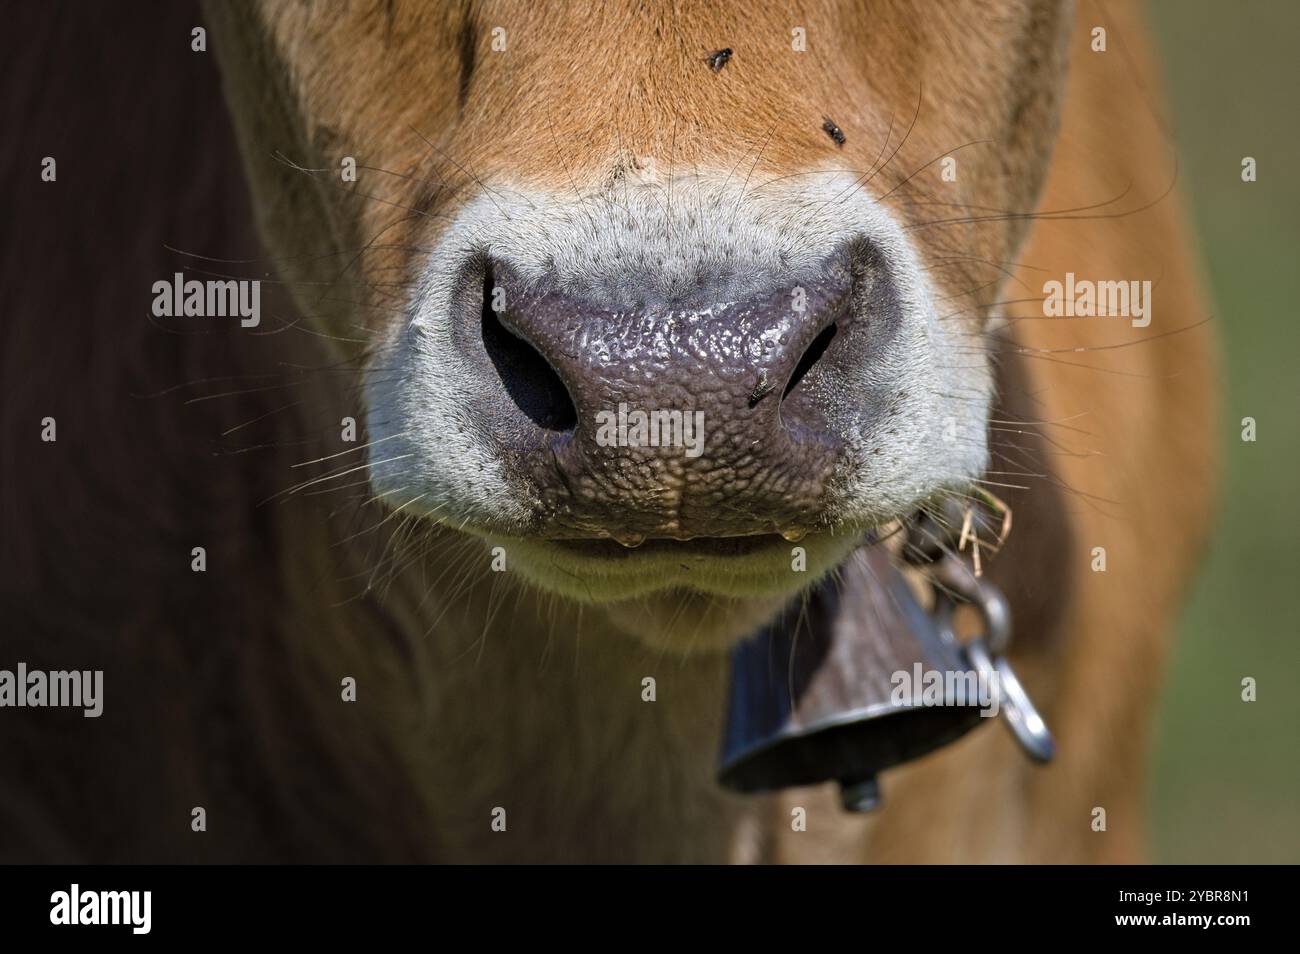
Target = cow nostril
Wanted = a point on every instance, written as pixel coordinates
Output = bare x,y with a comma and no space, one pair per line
810,357
527,377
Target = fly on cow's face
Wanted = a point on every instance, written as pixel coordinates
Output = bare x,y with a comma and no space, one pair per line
718,59
834,131
762,389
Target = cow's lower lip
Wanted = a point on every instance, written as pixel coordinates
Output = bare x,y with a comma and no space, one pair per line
698,547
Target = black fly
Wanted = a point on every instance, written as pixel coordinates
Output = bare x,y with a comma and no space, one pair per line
834,131
761,389
718,59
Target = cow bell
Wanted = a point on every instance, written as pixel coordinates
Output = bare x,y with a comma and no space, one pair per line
813,695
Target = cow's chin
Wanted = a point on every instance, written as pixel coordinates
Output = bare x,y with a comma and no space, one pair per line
686,622
683,597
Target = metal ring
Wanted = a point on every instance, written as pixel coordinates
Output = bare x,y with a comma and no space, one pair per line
988,600
995,610
1014,705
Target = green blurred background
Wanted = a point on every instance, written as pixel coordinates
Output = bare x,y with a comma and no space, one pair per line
1227,773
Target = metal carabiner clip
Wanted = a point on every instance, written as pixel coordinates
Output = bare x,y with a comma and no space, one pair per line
1014,705
985,653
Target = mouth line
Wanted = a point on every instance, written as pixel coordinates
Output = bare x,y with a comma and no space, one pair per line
737,546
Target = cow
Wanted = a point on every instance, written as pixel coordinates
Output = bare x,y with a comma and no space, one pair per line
821,236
